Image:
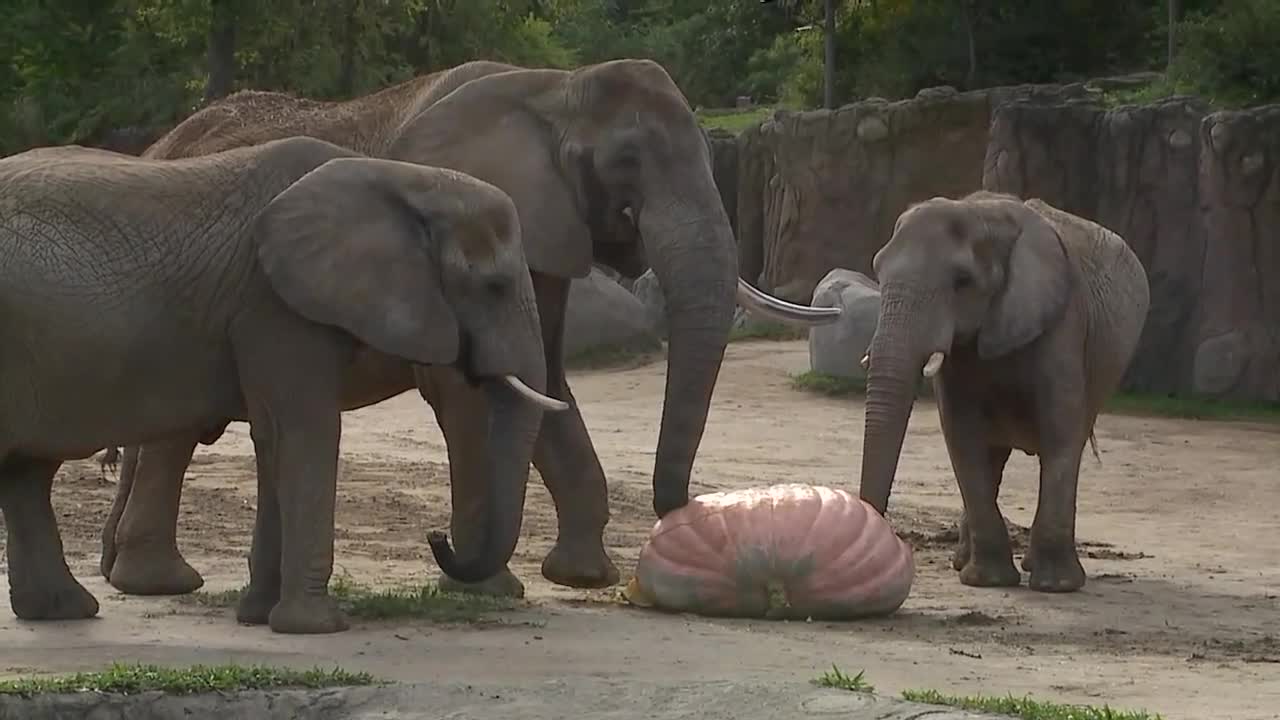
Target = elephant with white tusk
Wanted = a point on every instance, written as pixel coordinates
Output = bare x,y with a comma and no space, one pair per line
605,164
1025,317
146,299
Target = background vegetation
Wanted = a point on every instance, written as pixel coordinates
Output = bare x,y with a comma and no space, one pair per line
74,71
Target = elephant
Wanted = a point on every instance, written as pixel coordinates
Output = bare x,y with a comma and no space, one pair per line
145,298
1025,317
605,164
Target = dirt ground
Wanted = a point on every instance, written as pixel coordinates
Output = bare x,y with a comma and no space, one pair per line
1179,523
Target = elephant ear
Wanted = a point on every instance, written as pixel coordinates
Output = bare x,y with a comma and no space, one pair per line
1037,280
500,128
346,246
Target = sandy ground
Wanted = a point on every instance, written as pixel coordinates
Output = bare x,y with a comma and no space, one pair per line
1179,523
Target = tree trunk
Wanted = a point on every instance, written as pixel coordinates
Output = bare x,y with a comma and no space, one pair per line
967,19
829,65
347,68
222,50
1173,33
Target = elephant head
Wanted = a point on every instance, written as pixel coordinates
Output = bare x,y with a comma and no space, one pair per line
607,163
424,264
985,273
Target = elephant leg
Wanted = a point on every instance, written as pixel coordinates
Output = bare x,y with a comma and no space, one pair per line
147,560
1051,556
263,592
964,428
123,489
997,457
568,463
41,586
463,415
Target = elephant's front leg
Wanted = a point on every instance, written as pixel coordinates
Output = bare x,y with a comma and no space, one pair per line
997,457
568,463
140,552
41,586
990,555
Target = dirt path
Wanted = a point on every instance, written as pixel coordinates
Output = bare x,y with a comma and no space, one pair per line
1180,523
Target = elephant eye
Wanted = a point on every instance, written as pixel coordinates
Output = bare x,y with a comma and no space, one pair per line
963,280
497,286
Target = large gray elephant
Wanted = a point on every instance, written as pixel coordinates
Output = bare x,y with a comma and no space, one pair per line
1026,318
605,163
145,298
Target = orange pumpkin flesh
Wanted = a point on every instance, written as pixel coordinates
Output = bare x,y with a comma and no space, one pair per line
789,551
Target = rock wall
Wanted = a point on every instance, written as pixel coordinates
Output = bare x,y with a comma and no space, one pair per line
1197,196
822,189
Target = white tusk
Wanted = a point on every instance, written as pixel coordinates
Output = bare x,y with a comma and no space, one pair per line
533,396
753,299
865,362
932,367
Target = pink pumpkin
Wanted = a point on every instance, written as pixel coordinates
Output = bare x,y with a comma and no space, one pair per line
786,551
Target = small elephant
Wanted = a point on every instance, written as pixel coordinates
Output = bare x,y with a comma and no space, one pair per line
606,163
143,298
1026,318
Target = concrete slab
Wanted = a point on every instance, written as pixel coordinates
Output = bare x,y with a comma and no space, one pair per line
559,700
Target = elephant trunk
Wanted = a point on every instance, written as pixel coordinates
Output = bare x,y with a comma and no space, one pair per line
897,356
514,420
690,246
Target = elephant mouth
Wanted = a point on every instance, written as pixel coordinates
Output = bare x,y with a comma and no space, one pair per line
465,364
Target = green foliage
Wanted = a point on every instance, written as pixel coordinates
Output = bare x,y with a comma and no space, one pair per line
828,385
133,679
1025,708
1231,55
835,678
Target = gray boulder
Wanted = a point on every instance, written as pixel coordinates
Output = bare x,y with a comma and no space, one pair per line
837,348
601,314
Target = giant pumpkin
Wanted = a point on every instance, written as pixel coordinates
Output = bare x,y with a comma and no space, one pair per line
789,551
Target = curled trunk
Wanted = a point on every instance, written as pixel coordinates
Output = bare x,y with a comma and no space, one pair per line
513,428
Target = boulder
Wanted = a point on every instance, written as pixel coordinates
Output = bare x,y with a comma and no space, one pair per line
837,348
602,315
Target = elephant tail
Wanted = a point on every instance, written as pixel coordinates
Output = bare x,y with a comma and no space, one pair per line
1093,444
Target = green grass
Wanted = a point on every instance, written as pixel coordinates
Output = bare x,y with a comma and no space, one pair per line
423,602
732,120
1025,707
1191,408
835,678
614,356
757,330
829,385
131,679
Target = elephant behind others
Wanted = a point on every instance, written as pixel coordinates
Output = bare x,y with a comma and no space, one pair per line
142,299
1026,318
605,164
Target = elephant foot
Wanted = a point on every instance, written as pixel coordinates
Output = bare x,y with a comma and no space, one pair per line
964,549
153,572
255,606
990,572
504,584
308,615
580,565
64,600
1055,571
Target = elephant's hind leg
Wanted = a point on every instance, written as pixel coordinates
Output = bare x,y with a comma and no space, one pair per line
147,560
41,586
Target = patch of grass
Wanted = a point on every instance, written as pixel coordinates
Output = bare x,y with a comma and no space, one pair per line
423,602
829,385
731,119
1191,408
767,331
1025,707
614,356
835,678
132,679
